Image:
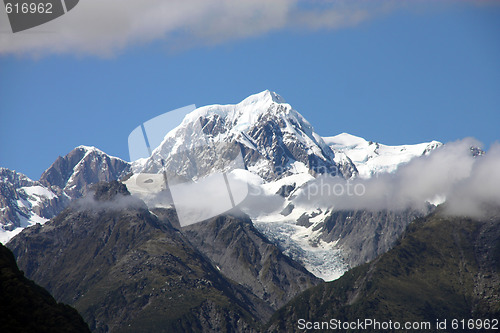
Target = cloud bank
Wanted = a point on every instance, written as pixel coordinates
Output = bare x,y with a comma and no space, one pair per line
451,172
481,190
105,27
118,203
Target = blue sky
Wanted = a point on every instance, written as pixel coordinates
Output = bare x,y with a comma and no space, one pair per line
403,75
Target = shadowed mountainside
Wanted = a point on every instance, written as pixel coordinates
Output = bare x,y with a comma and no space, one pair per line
442,268
244,255
27,307
125,270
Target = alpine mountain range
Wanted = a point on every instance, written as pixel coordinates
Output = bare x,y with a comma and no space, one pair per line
238,268
281,153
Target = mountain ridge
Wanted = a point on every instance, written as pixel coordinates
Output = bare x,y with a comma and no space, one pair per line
108,251
372,158
26,202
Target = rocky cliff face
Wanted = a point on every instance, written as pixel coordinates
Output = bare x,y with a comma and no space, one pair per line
27,307
244,255
363,235
11,212
24,202
80,168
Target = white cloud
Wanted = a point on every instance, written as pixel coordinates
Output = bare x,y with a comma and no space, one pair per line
104,27
481,191
468,183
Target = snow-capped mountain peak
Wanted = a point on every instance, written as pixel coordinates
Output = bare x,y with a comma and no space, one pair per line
96,151
344,141
265,96
90,149
238,117
271,135
23,202
372,158
82,166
